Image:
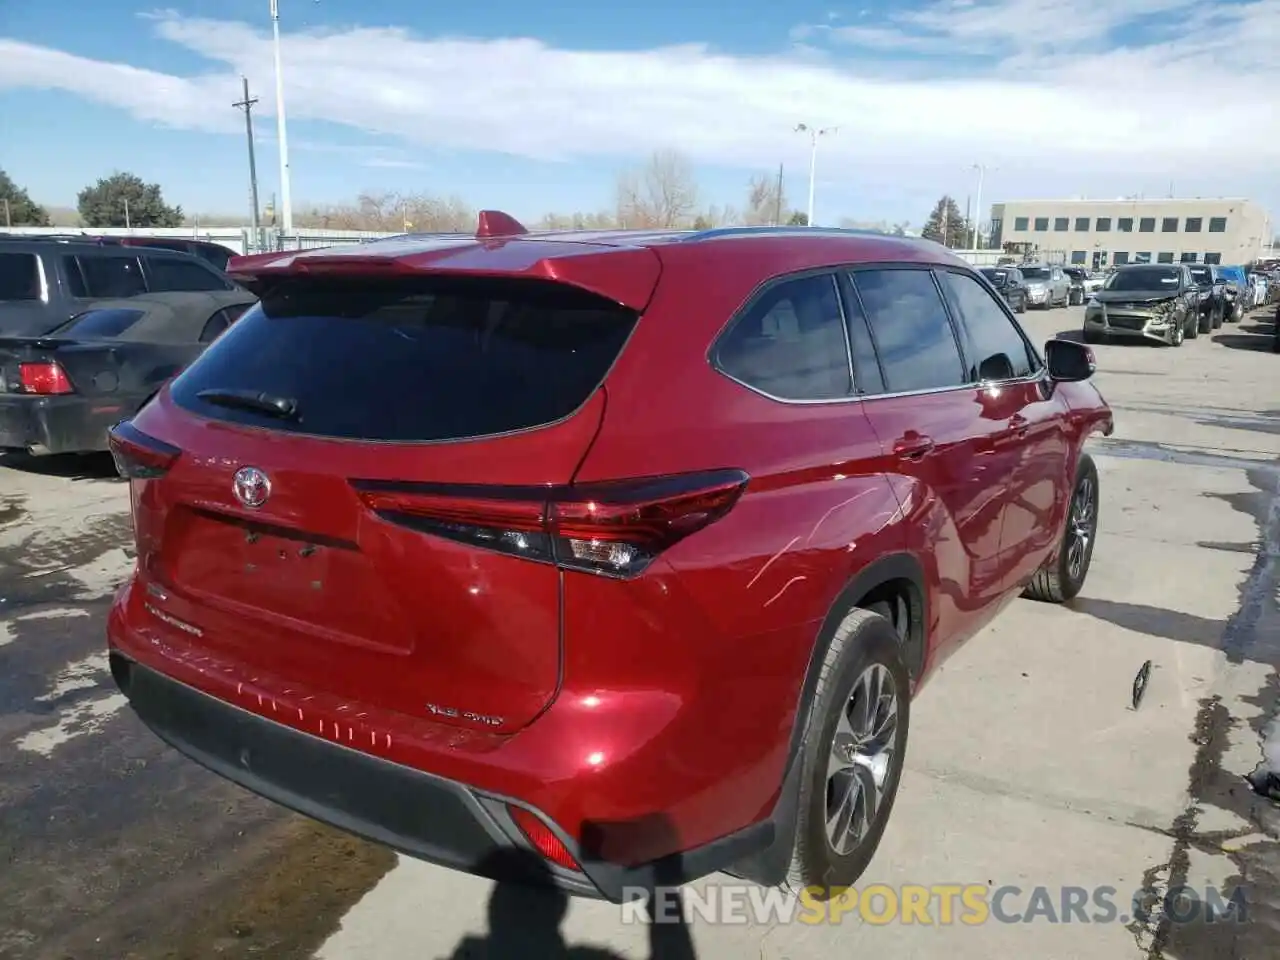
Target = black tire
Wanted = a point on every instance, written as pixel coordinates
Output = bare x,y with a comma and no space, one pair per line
1022,305
1059,580
1091,336
1217,316
863,641
1204,321
1178,335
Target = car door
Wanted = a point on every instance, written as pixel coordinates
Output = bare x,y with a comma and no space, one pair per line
1061,286
939,440
1032,441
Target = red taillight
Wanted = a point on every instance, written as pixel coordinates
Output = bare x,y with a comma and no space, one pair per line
614,528
137,455
47,378
543,838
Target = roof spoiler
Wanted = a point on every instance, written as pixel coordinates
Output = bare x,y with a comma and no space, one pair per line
495,223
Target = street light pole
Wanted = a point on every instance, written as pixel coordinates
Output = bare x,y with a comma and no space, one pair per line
977,218
286,203
814,133
247,105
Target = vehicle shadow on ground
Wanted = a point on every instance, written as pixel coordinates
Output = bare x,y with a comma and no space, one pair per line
526,912
1255,332
68,466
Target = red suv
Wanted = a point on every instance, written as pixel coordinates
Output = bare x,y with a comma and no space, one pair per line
621,551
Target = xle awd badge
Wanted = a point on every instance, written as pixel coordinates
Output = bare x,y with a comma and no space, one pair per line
251,486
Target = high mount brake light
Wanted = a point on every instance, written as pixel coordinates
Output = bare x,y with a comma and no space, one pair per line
46,378
615,528
137,455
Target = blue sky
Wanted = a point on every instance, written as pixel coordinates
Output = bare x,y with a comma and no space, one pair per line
537,107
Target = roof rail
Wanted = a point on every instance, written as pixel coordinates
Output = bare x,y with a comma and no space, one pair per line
767,231
495,223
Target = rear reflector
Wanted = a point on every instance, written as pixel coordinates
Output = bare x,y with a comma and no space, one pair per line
48,379
137,455
615,528
543,838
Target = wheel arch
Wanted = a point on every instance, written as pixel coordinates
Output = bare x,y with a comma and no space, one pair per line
893,571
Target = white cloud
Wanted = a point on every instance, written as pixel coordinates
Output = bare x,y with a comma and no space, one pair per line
1054,97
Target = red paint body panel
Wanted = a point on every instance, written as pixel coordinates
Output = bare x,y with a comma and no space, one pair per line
588,697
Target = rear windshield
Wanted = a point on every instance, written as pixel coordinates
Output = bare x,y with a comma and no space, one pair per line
19,276
99,323
997,277
412,360
1035,273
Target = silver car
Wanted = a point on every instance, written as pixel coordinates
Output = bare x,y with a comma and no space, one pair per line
1047,285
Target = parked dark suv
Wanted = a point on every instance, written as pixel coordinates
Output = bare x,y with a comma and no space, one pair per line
1010,285
44,282
624,550
1213,306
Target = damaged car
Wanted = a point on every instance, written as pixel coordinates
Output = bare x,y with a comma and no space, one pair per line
1145,301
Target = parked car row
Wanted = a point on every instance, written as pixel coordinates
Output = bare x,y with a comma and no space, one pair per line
90,331
1169,302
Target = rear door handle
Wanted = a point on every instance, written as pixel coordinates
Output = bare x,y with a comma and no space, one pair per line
913,447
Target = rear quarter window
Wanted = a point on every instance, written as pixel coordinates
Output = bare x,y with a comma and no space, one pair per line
413,360
19,276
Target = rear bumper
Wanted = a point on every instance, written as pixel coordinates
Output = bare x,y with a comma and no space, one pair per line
442,796
67,424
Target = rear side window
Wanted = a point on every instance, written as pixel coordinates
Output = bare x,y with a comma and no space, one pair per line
111,277
215,327
412,360
169,274
790,343
19,276
100,323
913,334
996,348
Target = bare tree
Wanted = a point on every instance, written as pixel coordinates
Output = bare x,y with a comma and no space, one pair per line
766,202
662,194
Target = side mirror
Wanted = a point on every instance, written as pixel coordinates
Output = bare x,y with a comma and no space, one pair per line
1068,361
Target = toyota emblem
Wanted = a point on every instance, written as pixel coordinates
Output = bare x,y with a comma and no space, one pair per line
251,486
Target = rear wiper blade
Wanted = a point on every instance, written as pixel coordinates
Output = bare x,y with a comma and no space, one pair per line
286,408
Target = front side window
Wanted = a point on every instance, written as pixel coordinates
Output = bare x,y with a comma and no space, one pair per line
111,277
997,350
913,334
170,274
791,342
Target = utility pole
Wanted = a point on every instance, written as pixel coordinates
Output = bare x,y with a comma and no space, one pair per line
247,105
8,217
286,203
127,224
814,133
777,201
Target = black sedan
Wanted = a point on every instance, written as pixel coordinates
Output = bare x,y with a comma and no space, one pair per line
1009,283
61,392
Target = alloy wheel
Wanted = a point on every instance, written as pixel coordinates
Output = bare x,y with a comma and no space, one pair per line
1080,528
861,758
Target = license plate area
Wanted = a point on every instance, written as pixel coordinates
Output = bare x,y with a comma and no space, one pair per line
284,578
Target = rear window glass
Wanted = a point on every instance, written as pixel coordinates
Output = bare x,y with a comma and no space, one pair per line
19,276
412,360
100,323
